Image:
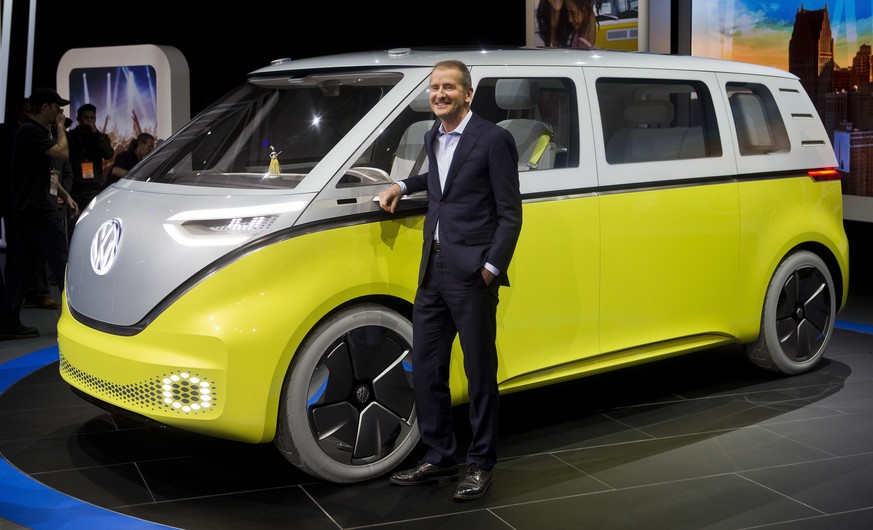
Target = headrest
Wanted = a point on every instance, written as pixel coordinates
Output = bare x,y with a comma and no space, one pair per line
421,103
515,94
654,113
746,104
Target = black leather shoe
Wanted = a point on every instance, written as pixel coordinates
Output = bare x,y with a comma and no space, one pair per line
425,473
474,485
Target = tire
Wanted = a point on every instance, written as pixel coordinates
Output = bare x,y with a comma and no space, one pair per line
798,316
347,412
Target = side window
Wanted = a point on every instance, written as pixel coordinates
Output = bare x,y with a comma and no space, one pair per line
540,113
647,120
759,126
398,152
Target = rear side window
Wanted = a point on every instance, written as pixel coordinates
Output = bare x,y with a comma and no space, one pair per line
759,126
647,120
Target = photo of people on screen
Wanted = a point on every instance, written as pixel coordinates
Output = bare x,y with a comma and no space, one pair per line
126,103
586,24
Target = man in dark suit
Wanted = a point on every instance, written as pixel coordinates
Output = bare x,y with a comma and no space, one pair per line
470,232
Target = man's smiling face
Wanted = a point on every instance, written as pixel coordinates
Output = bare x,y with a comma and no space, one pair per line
448,98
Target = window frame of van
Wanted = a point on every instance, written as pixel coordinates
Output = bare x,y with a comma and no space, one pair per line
656,120
810,145
765,117
715,166
580,175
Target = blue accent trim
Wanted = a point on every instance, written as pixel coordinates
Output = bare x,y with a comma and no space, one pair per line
854,326
29,503
407,366
13,371
318,393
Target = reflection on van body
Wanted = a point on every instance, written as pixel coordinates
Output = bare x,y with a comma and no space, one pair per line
241,282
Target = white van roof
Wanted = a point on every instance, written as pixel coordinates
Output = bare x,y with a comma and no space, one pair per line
414,57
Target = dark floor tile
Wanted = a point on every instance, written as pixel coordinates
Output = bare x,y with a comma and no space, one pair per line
832,486
856,520
39,396
527,432
242,468
862,363
725,412
538,477
378,501
691,456
855,349
263,509
856,396
105,486
67,421
725,501
59,453
479,519
843,435
751,379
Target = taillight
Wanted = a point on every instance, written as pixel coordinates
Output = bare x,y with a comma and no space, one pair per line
824,174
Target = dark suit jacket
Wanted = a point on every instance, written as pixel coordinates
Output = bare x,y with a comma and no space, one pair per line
479,211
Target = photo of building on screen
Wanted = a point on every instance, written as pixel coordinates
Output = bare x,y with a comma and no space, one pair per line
830,51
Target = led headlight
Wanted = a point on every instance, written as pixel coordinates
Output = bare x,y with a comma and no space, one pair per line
228,226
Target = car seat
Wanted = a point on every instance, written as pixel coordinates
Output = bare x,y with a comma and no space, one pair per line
534,139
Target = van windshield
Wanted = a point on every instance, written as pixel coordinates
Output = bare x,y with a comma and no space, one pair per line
267,134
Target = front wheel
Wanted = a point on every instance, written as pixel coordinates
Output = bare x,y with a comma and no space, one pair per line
798,316
347,412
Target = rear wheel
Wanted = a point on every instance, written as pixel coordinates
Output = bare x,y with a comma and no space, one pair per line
347,411
798,318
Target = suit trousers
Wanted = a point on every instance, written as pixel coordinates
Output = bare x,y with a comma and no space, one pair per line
445,307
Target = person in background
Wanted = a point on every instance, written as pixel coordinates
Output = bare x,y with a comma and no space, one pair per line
470,233
7,137
553,23
89,148
583,19
37,292
35,187
136,151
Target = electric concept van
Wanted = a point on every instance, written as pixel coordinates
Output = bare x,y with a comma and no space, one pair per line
242,282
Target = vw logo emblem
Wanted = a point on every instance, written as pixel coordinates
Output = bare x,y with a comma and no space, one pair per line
362,394
105,246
